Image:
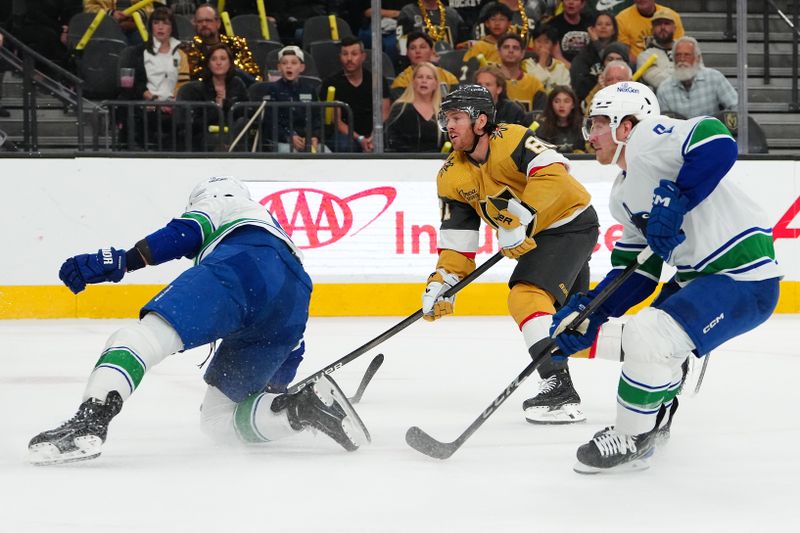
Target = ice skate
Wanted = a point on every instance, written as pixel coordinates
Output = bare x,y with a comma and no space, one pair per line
610,452
556,403
323,406
78,439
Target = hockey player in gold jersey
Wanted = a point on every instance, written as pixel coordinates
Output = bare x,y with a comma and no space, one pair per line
502,174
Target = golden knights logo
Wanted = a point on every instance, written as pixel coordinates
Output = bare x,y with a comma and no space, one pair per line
494,210
498,132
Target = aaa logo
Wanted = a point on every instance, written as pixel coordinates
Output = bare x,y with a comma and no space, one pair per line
316,218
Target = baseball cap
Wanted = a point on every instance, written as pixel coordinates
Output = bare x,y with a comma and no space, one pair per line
663,14
292,50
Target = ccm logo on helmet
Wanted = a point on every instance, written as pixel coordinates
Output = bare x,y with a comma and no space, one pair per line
713,323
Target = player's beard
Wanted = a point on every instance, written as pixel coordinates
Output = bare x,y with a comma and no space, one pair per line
686,73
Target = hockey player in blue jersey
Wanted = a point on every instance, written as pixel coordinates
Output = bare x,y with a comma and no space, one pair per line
248,288
672,195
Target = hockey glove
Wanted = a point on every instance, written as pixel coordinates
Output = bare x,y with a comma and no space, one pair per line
666,217
571,341
107,264
434,304
512,222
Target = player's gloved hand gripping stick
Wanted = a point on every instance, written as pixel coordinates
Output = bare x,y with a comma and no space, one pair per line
424,443
391,332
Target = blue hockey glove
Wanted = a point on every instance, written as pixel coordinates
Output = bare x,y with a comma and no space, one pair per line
666,217
571,341
107,264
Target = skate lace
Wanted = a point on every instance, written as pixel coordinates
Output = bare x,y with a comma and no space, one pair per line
547,385
610,443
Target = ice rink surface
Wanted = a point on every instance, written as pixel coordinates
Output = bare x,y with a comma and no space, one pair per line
732,463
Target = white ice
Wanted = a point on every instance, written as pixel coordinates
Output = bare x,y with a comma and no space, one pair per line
731,465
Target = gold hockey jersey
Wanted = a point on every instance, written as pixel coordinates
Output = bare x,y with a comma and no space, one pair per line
518,165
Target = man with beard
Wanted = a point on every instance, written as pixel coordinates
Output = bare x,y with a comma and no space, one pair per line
694,90
207,25
661,47
353,86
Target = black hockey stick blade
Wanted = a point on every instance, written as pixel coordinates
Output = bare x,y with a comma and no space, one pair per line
394,330
424,443
373,367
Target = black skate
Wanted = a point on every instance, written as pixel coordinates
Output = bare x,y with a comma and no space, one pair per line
78,439
610,452
323,406
556,403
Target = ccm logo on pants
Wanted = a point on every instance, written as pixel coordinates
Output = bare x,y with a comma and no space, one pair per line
713,323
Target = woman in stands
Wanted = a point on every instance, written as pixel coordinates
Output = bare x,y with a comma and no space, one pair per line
412,126
160,68
560,123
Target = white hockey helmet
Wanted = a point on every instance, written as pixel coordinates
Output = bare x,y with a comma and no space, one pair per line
219,187
620,100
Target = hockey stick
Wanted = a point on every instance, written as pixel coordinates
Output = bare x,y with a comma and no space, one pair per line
424,443
373,367
397,328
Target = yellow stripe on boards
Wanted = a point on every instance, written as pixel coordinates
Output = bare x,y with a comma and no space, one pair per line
330,299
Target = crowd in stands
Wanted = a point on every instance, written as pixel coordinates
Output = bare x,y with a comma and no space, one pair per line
541,61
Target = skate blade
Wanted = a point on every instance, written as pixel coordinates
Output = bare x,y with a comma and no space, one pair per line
45,453
566,414
636,465
328,391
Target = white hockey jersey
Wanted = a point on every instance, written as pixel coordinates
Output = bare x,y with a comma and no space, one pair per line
726,233
218,216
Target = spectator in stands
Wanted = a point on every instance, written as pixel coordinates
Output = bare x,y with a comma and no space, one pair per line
587,65
616,69
412,124
184,7
218,84
560,123
452,30
390,13
661,47
43,25
115,9
549,70
636,26
160,69
297,132
521,87
353,86
572,26
506,110
420,50
160,66
519,15
207,25
497,21
694,90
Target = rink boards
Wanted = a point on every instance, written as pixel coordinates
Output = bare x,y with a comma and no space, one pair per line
367,228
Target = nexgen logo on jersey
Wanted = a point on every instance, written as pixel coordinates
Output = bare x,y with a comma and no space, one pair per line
319,216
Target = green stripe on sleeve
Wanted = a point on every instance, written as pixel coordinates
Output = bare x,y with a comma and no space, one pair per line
623,258
705,130
205,224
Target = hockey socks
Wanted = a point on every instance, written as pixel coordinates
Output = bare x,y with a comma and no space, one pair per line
129,353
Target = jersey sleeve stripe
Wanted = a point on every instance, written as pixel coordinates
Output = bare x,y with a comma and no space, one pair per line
761,234
704,131
206,225
460,240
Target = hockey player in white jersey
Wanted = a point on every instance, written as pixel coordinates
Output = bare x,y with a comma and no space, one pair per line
673,196
248,288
